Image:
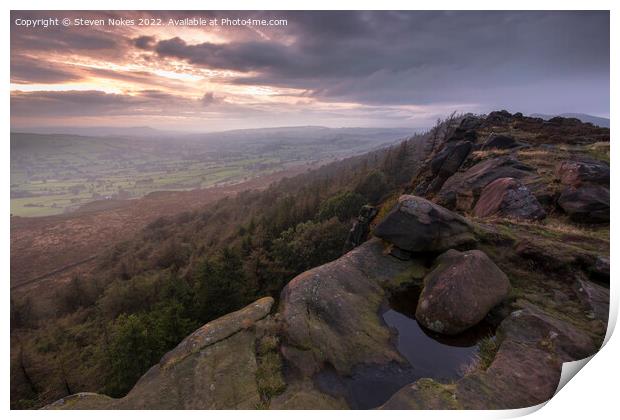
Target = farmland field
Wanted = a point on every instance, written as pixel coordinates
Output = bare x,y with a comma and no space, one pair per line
57,173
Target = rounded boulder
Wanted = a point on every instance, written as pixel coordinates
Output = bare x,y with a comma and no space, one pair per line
460,291
418,225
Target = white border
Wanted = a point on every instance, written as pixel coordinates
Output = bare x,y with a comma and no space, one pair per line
592,395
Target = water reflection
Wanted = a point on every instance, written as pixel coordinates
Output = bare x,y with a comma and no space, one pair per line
430,355
438,356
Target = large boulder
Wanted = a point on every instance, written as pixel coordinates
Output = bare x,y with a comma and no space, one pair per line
525,371
416,224
447,162
460,291
508,197
217,330
586,204
470,122
578,172
423,394
501,142
527,367
214,368
331,312
462,189
499,117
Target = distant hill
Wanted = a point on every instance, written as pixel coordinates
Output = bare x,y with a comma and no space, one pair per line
250,133
599,121
54,173
97,131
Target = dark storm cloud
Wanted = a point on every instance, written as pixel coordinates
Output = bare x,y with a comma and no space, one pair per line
417,57
64,40
28,70
144,42
547,62
90,41
245,57
91,103
210,98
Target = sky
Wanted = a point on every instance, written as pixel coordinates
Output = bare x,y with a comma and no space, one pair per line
388,69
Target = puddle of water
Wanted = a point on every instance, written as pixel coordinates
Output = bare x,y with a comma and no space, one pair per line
437,356
430,355
368,386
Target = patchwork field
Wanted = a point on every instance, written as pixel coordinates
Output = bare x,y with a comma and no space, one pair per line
57,173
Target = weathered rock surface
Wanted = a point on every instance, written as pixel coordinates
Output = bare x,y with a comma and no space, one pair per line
508,197
578,172
218,330
586,204
595,298
423,394
416,224
555,256
330,313
460,291
462,189
524,372
304,395
499,117
214,368
82,401
501,142
470,122
447,162
220,376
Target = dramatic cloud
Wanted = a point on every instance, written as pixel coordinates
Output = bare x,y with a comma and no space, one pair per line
243,57
27,70
209,98
393,68
144,42
84,103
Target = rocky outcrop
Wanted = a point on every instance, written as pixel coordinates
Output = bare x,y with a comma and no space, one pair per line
594,297
447,162
508,197
524,372
501,142
460,291
217,330
330,313
424,394
462,189
557,255
586,196
586,204
416,224
82,401
578,172
329,327
213,368
469,123
498,117
454,146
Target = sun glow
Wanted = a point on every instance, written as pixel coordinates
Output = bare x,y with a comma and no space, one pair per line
65,87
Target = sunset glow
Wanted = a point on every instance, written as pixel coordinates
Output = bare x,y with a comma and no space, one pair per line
345,69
